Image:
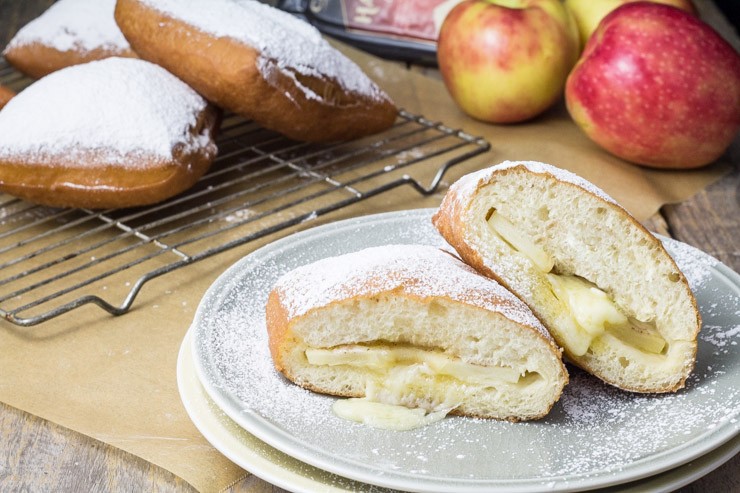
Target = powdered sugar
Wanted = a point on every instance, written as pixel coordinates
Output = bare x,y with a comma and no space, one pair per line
721,336
81,25
418,270
700,269
118,108
285,43
466,186
596,435
696,265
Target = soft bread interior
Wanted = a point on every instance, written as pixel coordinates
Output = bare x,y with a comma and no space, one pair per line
435,354
595,243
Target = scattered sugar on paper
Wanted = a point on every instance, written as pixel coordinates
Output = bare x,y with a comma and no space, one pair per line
240,215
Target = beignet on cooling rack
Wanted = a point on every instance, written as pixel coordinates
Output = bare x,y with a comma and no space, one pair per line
118,132
260,63
70,32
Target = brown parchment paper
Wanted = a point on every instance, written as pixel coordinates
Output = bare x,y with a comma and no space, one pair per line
113,378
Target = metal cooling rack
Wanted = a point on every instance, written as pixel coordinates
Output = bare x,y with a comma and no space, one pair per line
53,261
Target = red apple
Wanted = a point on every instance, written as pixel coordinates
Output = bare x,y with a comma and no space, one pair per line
588,13
658,87
506,61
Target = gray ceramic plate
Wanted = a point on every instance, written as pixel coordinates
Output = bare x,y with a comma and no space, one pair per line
268,463
595,436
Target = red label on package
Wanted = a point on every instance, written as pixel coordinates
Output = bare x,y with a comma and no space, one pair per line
418,19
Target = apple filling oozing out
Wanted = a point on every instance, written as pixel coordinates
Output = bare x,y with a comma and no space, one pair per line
594,314
408,387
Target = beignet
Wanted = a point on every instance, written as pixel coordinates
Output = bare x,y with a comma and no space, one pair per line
412,325
118,132
70,32
605,287
261,63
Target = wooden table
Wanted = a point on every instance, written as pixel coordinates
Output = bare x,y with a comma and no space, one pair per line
36,455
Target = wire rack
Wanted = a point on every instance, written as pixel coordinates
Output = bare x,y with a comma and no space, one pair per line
53,261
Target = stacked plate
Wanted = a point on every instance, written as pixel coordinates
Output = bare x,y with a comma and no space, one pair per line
595,436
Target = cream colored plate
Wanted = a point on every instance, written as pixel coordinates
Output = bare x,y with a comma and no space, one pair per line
596,436
243,448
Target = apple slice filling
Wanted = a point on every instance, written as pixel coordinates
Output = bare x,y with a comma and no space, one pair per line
385,416
596,313
408,387
383,358
593,312
519,242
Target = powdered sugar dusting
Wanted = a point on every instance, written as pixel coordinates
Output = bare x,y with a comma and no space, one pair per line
466,186
595,435
700,269
721,336
80,25
117,107
695,264
419,270
285,43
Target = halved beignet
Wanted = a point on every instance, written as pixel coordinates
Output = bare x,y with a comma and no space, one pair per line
412,325
604,286
118,132
68,33
261,63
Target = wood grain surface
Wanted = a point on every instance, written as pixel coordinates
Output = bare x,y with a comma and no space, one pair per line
36,455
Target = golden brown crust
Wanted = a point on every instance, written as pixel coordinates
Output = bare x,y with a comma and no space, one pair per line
277,329
37,60
225,72
281,339
450,223
5,96
97,184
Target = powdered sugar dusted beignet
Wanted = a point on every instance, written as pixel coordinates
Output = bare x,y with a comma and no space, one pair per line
5,96
261,63
412,325
112,133
70,32
603,285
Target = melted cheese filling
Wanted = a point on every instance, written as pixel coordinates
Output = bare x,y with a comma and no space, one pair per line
596,314
384,358
385,416
593,312
409,387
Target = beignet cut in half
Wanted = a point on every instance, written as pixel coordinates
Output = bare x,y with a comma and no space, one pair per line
261,63
413,326
605,287
119,132
70,32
